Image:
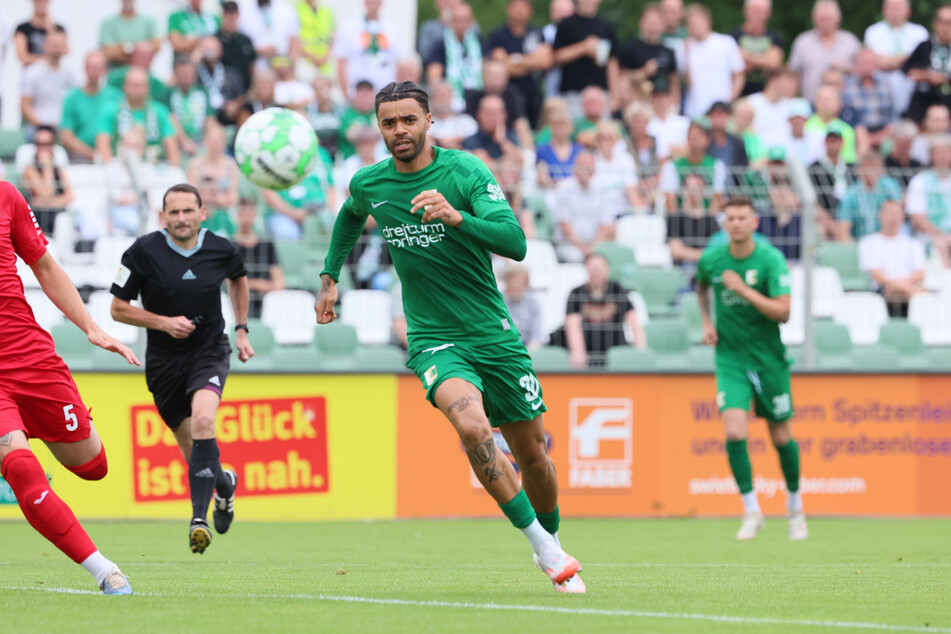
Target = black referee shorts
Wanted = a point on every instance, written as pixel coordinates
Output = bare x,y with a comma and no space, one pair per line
173,378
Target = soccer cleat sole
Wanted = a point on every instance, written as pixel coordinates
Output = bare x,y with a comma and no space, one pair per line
199,538
116,584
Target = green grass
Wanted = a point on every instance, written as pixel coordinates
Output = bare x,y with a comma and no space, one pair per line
281,578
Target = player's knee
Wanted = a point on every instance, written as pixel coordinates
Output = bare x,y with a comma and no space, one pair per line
95,469
537,466
474,432
203,426
780,435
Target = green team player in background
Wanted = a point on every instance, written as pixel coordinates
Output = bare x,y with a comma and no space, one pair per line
750,282
442,215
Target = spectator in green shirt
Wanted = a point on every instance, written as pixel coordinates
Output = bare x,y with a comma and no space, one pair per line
188,26
141,57
81,108
119,34
135,109
857,215
360,113
188,104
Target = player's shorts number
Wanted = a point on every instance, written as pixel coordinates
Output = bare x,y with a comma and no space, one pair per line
782,404
71,421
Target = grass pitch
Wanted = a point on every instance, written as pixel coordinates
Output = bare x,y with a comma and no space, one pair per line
476,576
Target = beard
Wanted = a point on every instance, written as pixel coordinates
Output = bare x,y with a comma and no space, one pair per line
409,154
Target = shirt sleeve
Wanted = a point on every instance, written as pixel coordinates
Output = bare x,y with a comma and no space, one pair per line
778,281
916,201
574,302
128,280
68,121
347,230
28,240
847,205
736,57
166,129
492,224
919,58
796,56
668,178
702,277
236,266
918,258
867,253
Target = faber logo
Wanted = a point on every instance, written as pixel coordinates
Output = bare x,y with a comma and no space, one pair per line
495,192
601,443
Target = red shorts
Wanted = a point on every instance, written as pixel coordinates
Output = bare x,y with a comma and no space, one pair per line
43,402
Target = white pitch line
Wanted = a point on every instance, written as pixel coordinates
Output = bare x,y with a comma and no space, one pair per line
740,620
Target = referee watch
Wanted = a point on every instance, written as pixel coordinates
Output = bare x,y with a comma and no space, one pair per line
243,327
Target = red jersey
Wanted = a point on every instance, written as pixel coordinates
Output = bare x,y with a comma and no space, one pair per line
22,340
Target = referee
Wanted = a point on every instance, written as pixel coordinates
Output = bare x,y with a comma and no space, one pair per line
179,271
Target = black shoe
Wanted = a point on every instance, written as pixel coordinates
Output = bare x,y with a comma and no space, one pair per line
199,536
224,507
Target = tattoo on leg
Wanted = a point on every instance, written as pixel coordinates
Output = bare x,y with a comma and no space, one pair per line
483,457
6,440
460,403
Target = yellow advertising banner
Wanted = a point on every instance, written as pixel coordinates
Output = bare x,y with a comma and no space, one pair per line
305,447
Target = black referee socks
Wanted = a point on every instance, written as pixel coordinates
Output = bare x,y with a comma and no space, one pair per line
203,471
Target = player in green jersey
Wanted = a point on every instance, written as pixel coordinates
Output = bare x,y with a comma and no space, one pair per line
750,283
443,215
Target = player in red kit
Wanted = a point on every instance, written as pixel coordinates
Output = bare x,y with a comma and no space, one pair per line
38,398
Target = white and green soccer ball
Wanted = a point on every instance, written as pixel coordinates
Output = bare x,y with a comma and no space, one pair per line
276,148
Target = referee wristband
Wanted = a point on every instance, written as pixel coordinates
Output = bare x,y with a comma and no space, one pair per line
243,327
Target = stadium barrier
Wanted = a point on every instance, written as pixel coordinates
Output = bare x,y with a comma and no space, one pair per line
313,447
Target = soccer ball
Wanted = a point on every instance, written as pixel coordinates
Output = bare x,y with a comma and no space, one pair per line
276,148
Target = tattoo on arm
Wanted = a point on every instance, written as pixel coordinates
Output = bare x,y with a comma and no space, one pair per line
483,457
6,440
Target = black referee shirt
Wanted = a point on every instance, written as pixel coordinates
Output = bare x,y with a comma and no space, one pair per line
173,282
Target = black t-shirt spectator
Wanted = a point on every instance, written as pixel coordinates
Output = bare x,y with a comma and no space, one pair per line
514,104
694,232
757,44
584,72
35,37
484,141
929,54
529,86
237,52
637,52
602,318
823,180
258,260
787,237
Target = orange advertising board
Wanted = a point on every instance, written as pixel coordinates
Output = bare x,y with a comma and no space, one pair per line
653,445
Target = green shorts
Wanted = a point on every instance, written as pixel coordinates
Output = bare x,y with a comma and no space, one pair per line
768,388
502,372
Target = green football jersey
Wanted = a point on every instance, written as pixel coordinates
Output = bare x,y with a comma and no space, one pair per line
746,338
449,289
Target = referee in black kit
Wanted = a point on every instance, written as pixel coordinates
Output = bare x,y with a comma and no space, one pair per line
179,271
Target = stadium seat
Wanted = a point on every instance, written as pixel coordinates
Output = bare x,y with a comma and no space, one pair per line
667,336
629,359
906,339
368,312
99,306
299,263
826,291
621,260
544,223
380,359
875,358
73,346
107,255
336,339
793,331
290,314
659,288
689,309
261,338
554,299
939,360
636,231
833,346
550,359
702,358
44,310
844,258
640,307
10,140
863,314
542,262
931,313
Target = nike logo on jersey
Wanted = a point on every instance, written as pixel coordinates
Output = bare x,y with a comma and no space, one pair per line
375,205
215,381
42,497
188,275
205,473
535,406
438,348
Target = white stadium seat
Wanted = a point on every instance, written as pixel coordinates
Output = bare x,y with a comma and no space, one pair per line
863,314
369,312
46,313
826,289
290,314
931,312
641,230
541,260
100,309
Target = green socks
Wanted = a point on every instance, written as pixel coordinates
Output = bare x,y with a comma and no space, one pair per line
519,510
789,462
549,521
740,464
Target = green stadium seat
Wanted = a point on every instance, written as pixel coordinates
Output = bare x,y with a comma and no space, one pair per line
10,141
660,288
73,346
702,358
667,336
939,360
673,362
844,258
833,346
381,358
690,311
550,359
621,259
905,337
335,338
544,223
794,355
296,259
628,359
882,358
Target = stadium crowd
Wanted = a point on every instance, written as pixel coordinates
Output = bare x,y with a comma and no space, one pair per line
616,156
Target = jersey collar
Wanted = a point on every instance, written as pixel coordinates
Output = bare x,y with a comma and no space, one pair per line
183,252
